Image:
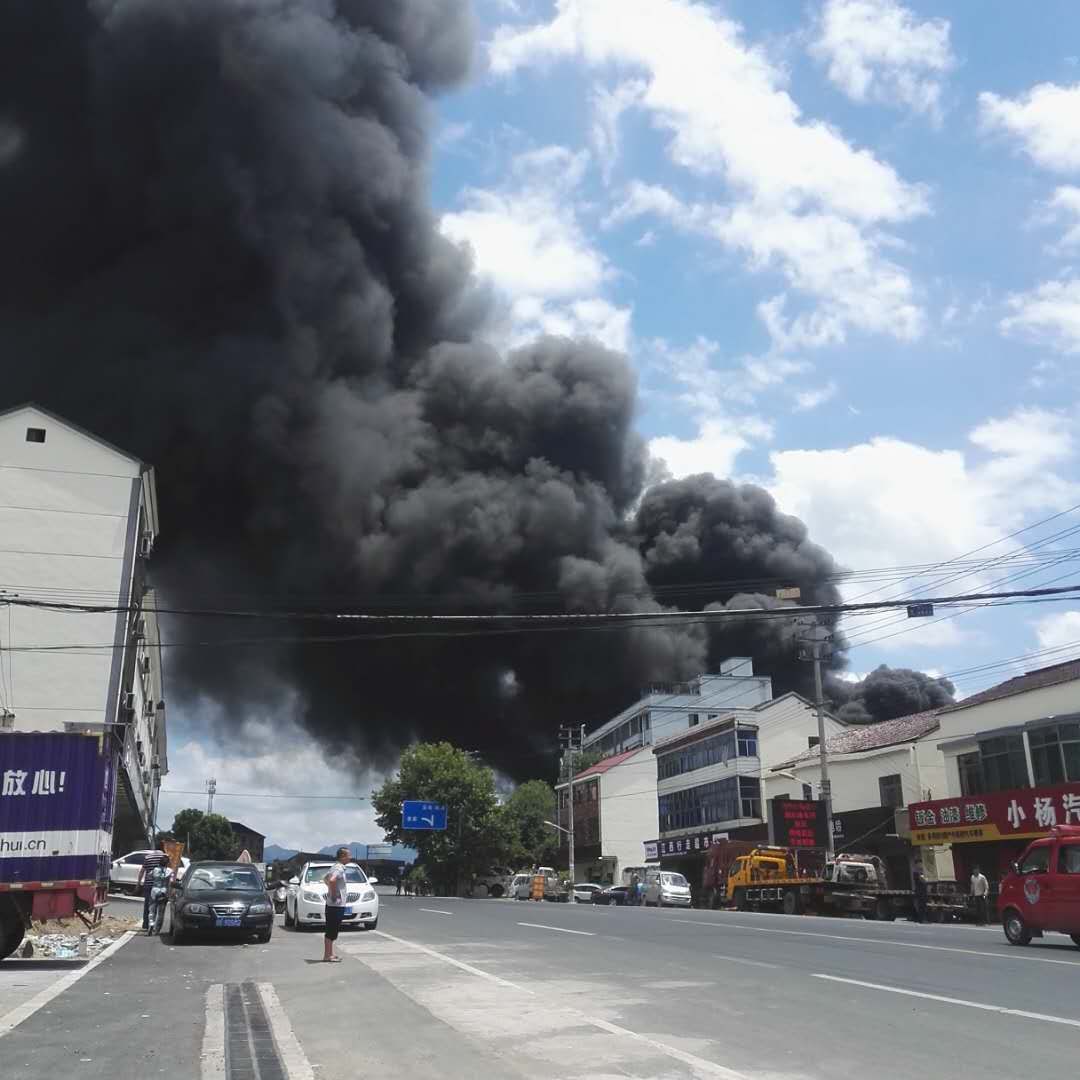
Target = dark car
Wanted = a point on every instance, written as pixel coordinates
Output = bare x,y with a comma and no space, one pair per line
222,898
615,894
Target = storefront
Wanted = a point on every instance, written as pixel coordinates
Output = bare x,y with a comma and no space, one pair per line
686,855
990,831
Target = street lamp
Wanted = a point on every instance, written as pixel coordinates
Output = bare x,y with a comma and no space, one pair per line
570,834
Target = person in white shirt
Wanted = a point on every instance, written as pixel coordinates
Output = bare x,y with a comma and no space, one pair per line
980,890
337,894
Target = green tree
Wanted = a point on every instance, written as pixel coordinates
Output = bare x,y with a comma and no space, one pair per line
475,838
206,836
531,842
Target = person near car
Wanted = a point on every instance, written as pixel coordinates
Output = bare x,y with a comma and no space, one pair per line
635,881
921,892
155,860
337,892
980,891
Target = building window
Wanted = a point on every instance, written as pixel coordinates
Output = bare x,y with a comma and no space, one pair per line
1046,759
713,750
971,777
35,434
813,742
1004,764
807,792
693,719
749,797
891,789
1070,749
747,743
711,804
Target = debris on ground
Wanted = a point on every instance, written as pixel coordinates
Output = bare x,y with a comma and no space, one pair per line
59,939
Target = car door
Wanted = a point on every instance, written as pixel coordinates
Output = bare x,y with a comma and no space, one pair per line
1064,900
1037,885
127,873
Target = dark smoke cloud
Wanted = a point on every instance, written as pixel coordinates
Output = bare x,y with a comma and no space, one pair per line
218,252
887,693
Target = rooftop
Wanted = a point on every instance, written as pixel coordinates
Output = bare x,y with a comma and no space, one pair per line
607,763
859,739
1038,679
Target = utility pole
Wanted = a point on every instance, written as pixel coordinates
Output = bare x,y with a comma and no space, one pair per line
571,739
211,788
815,643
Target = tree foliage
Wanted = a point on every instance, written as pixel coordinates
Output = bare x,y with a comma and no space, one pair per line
530,842
205,836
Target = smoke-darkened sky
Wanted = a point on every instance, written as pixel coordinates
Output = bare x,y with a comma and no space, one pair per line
218,252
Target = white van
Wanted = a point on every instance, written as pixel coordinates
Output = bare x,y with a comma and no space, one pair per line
664,887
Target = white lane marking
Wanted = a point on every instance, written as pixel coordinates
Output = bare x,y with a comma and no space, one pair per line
560,929
292,1053
212,1058
740,960
883,941
955,1001
700,1064
17,1015
436,911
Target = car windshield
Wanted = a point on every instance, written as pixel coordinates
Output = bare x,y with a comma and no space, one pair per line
225,879
674,879
315,874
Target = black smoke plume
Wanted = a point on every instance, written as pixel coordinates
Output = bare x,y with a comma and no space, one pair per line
887,693
218,252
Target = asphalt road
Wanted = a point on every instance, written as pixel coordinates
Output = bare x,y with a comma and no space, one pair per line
498,989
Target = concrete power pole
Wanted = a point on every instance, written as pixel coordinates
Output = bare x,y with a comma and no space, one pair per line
815,643
211,789
572,740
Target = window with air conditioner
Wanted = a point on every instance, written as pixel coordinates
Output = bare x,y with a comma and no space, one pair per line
891,789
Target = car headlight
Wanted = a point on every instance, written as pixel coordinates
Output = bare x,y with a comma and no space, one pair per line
367,894
312,897
260,907
196,909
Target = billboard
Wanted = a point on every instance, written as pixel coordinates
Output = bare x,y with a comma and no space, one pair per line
1018,814
57,797
799,823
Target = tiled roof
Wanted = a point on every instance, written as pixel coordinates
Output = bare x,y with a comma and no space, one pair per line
1020,684
609,763
859,738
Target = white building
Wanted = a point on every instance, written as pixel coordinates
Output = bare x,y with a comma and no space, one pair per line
79,518
667,708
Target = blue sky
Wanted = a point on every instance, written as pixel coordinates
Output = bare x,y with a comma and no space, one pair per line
840,241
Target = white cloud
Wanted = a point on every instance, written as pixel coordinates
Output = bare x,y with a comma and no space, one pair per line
878,50
714,449
593,317
1064,204
803,200
277,758
807,400
889,502
1043,121
1048,315
1059,631
608,108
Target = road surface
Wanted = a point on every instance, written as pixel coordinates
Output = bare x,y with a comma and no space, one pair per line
501,989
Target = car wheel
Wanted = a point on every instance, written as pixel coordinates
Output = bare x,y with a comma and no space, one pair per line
791,903
177,935
1016,930
373,925
290,922
496,892
263,936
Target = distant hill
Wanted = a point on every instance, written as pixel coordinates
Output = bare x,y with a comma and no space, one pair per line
272,853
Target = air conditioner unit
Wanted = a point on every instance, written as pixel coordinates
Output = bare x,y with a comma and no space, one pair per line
139,631
144,665
146,777
146,545
127,700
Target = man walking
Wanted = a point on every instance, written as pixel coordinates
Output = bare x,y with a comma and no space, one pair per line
337,893
155,860
980,890
921,893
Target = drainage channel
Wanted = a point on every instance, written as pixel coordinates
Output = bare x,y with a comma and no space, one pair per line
250,1051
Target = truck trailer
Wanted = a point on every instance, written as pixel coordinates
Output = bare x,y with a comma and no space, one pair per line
57,804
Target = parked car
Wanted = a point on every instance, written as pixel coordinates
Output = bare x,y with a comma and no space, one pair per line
1042,891
613,894
305,902
521,886
584,892
221,898
664,887
494,884
124,872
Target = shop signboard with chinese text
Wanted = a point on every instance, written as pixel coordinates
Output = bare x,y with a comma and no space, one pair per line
799,823
686,845
1018,814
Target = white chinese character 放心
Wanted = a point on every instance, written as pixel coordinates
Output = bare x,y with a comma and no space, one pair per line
1016,814
13,782
1045,812
44,782
1071,805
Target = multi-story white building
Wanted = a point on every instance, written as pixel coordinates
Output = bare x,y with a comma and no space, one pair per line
79,520
667,708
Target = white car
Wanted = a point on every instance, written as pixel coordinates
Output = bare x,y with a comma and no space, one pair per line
663,887
124,872
584,892
305,901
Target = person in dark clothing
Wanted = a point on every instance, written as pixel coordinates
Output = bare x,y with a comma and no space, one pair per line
155,860
922,892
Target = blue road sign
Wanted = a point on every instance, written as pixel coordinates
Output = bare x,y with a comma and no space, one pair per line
416,814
